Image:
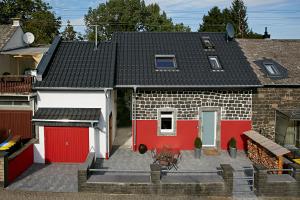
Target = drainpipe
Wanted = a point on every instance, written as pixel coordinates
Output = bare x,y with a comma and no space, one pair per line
134,113
107,124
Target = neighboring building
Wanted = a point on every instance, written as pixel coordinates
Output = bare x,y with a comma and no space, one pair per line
75,102
185,85
17,60
276,106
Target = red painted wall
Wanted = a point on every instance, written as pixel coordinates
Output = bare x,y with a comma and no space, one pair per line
186,133
66,144
19,164
187,130
234,128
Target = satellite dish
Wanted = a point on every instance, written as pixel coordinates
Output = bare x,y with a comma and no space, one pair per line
28,38
230,31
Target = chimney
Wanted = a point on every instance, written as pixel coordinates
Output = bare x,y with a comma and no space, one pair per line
16,22
266,35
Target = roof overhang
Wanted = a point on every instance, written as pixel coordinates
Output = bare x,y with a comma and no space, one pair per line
31,51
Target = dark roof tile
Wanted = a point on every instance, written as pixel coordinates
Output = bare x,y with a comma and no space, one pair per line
136,60
91,114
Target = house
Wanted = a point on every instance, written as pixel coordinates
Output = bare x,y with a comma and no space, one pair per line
17,59
75,111
276,106
185,85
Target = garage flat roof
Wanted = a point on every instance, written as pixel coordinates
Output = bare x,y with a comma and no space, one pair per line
67,114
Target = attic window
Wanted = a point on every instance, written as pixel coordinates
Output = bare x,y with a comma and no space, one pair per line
271,69
207,44
214,63
165,62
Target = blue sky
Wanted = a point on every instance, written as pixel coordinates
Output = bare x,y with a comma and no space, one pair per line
282,17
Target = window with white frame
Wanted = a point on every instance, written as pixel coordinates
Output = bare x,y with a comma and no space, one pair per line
167,122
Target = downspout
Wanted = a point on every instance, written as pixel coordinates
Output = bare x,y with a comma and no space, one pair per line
107,125
134,113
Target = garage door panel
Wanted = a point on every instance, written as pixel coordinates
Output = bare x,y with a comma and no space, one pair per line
66,144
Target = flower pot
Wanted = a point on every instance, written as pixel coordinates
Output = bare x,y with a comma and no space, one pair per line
197,153
232,152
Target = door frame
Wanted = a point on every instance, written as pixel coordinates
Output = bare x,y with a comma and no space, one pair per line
217,111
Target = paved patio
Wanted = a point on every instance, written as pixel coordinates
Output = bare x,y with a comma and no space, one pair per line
126,159
48,178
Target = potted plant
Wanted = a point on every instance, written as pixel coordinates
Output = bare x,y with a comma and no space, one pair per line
143,148
232,147
198,147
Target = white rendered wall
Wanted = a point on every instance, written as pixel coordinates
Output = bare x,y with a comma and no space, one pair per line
82,99
39,149
71,99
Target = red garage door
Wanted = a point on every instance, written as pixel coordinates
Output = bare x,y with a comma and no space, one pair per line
66,144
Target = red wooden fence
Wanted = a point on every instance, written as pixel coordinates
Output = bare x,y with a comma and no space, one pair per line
19,122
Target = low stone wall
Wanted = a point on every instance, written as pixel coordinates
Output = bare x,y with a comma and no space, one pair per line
277,187
156,186
83,171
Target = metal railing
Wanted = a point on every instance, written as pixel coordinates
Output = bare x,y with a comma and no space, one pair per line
16,83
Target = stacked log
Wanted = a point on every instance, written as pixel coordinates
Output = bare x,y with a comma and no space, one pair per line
261,156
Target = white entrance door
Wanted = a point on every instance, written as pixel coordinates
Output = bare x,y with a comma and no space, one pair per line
209,128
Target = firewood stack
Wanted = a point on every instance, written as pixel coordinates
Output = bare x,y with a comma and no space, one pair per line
260,155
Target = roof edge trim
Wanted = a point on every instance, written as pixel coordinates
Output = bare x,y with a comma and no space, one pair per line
188,86
65,120
71,88
42,67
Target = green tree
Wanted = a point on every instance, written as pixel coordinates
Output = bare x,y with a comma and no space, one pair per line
213,21
69,34
216,20
35,15
127,15
239,18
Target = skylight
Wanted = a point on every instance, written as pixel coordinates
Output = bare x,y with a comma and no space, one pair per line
214,63
165,62
271,69
207,42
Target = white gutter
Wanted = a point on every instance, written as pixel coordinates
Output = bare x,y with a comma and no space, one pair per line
107,124
65,120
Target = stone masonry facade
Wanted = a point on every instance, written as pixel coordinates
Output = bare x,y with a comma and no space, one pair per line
265,103
234,104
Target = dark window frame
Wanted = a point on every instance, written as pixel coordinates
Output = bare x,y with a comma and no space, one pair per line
170,57
274,67
209,46
220,68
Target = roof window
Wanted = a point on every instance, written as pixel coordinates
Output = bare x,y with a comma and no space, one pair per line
215,63
271,69
165,62
207,44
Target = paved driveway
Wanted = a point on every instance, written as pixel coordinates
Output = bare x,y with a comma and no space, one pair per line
48,178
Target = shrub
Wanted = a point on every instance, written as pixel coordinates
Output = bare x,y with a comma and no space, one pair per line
232,142
143,148
198,143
